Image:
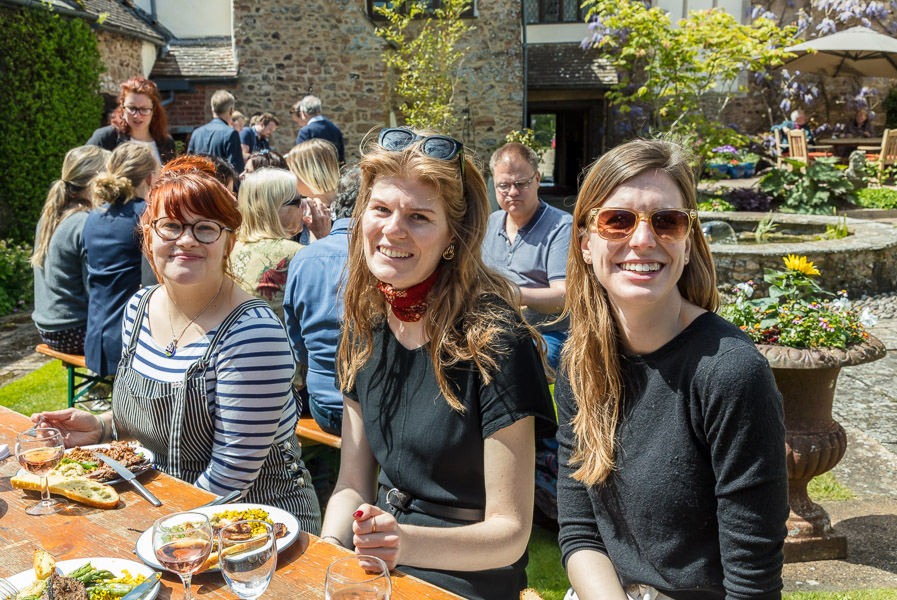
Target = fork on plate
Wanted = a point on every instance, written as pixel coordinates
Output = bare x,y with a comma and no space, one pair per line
7,590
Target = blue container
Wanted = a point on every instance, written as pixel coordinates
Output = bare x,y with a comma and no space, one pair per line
736,171
748,169
720,170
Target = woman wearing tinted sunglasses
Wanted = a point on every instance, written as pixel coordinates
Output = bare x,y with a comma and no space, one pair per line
443,385
672,478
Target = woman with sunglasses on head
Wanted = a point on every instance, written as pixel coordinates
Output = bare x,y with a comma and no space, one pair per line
262,255
443,385
672,479
204,380
315,165
138,118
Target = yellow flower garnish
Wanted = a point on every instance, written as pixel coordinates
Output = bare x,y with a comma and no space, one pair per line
800,264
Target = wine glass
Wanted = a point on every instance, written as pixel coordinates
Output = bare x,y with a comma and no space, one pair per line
39,451
182,542
357,578
247,555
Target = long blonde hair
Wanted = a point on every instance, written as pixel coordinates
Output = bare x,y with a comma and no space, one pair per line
460,327
316,165
79,167
130,164
591,355
262,193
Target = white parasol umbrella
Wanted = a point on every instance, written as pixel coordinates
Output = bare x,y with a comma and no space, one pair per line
858,51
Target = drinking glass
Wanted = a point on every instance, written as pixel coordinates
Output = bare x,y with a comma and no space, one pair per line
247,555
39,451
182,542
357,578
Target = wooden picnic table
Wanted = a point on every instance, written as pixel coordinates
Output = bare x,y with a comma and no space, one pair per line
82,532
853,142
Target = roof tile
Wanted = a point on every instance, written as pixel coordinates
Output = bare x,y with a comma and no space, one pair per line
197,58
553,66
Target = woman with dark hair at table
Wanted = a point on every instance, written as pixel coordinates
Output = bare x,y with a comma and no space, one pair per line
113,241
59,259
672,479
139,117
444,387
204,379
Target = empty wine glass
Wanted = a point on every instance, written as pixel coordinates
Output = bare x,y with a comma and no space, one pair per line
247,555
357,578
39,451
182,543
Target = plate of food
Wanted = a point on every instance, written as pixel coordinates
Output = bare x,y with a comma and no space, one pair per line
286,529
80,461
97,578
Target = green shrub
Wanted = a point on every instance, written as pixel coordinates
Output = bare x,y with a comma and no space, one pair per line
815,192
16,276
49,103
876,198
715,205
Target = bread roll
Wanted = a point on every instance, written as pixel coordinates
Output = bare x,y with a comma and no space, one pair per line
85,491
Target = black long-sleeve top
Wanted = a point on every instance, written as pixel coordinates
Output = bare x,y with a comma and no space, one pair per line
697,504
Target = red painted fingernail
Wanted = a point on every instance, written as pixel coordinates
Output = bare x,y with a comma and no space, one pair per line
357,514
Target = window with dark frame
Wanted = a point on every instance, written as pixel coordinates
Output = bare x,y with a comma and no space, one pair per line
554,11
431,5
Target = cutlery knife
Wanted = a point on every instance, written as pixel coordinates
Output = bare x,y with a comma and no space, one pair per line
223,499
125,474
141,589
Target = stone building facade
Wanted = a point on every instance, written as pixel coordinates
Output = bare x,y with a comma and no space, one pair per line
123,58
286,49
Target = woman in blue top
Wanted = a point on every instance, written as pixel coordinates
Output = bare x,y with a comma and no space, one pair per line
112,240
59,259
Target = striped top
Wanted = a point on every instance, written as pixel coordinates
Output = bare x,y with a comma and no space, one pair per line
248,388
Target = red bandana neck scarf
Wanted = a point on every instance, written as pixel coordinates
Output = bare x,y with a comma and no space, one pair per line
409,305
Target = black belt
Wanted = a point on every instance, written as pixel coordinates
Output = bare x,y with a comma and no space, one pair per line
405,502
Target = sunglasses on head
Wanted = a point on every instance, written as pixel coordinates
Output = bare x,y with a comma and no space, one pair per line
396,139
668,224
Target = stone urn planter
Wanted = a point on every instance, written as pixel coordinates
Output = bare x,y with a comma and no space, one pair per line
814,441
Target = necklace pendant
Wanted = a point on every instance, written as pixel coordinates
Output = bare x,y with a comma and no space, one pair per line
171,348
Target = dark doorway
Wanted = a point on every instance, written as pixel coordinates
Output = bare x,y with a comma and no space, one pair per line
574,130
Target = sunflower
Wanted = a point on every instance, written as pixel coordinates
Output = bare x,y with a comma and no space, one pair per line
800,265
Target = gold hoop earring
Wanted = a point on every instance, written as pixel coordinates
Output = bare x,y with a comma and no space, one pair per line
449,253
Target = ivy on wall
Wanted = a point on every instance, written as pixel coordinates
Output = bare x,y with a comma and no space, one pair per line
49,103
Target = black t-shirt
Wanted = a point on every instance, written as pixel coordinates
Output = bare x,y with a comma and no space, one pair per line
434,453
697,504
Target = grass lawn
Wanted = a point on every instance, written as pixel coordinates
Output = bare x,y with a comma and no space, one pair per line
44,389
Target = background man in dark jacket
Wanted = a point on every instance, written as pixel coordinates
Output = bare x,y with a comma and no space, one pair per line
217,137
307,113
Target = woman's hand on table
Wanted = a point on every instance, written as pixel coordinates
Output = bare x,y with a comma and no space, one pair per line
376,533
79,428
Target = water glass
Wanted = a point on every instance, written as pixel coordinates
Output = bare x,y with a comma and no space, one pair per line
357,578
247,556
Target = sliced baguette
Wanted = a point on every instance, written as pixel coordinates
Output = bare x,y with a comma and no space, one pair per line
530,594
86,491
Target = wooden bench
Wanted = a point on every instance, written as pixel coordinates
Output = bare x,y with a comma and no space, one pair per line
79,383
310,433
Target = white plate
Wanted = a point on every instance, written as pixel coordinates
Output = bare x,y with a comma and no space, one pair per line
114,565
146,452
144,547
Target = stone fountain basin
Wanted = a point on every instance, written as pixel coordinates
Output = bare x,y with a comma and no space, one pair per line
864,262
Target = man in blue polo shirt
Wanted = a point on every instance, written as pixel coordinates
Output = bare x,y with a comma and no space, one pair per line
528,241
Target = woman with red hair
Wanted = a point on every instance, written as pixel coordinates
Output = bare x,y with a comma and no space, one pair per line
204,378
139,118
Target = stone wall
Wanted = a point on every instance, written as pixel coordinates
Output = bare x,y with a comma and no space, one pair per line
122,57
285,49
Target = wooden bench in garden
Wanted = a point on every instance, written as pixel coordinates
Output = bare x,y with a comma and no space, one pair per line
310,433
79,383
